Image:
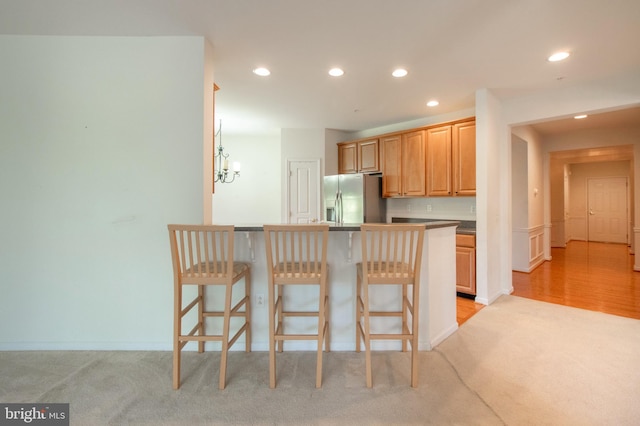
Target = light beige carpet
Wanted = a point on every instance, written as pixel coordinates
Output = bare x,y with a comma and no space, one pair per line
516,362
540,363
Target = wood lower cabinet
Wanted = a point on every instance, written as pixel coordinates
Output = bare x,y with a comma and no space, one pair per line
403,165
359,156
466,264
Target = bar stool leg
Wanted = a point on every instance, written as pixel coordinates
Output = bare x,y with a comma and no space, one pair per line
224,352
201,329
247,311
405,314
358,311
414,337
321,331
280,312
177,326
272,336
327,319
367,339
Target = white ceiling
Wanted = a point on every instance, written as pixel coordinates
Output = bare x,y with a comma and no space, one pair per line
451,48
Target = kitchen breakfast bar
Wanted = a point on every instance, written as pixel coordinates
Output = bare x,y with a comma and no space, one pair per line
437,287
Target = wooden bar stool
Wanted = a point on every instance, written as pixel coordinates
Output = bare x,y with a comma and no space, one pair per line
296,255
391,254
203,256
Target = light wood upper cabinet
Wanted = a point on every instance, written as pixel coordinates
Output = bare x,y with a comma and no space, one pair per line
451,160
368,156
439,161
403,161
347,158
391,150
359,156
464,158
413,164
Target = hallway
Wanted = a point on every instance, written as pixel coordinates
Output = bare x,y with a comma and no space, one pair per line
586,275
593,276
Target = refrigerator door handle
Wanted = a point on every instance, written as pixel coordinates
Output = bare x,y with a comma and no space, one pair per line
340,216
337,207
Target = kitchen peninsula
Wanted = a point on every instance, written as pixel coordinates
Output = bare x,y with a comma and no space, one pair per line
437,286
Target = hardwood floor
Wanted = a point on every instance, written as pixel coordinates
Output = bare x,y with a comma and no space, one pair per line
466,308
592,276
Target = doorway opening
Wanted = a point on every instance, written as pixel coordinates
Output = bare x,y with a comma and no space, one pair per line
590,212
594,199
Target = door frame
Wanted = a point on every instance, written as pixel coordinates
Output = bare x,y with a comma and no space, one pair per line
287,200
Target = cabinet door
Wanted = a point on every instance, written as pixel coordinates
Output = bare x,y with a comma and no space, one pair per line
368,156
464,158
347,158
466,270
413,164
391,151
439,161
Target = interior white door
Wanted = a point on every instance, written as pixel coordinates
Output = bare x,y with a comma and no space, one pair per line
607,204
303,191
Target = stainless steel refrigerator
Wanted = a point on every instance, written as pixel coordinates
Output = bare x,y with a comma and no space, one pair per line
354,198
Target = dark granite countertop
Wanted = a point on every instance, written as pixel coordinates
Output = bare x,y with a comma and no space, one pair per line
431,224
466,226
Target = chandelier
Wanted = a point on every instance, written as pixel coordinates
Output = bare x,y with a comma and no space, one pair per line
222,173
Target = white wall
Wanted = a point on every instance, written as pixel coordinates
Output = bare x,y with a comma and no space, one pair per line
520,183
101,147
493,199
332,137
528,194
253,197
520,204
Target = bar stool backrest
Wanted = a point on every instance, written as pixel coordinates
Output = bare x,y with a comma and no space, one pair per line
391,253
202,254
297,253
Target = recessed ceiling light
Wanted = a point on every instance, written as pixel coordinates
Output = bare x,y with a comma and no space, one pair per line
336,72
580,117
400,72
558,56
262,72
433,103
